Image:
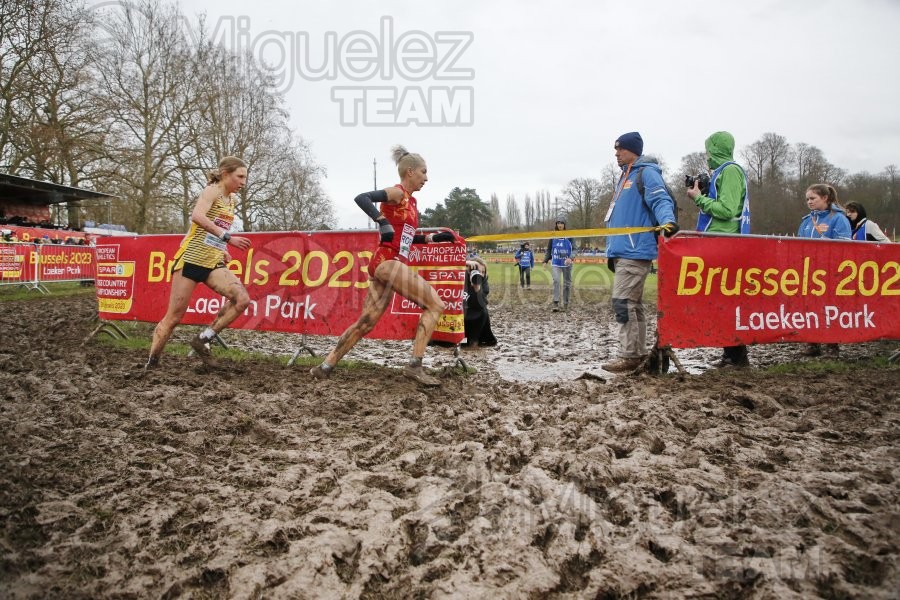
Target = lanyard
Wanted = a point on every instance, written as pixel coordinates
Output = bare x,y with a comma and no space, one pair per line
816,225
619,189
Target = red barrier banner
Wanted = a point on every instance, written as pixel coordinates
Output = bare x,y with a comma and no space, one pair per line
725,291
63,263
45,263
298,282
16,265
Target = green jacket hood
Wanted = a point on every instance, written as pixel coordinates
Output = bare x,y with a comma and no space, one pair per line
720,147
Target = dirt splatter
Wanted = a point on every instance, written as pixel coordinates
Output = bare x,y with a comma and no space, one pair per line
518,481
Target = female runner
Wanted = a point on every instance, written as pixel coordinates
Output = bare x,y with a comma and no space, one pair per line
202,258
397,222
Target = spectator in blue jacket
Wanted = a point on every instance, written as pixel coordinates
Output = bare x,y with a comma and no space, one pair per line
560,252
826,220
630,256
525,259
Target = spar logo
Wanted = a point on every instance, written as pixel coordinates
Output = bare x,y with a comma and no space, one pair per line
115,270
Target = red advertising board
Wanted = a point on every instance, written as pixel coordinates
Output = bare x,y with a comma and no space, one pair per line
45,263
63,263
298,282
724,291
15,266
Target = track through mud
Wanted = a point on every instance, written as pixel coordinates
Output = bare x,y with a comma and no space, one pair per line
520,481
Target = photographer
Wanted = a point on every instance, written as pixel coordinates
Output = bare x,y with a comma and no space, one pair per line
724,208
477,320
525,260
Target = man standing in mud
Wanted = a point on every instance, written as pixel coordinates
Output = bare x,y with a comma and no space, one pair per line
640,200
724,208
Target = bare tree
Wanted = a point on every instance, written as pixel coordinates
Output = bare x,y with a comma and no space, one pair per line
768,158
141,64
41,96
529,212
582,199
513,214
496,217
891,176
300,203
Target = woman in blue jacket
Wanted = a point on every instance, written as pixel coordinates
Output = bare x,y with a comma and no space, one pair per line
826,220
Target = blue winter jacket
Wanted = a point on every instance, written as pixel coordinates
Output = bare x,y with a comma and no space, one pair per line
525,258
830,224
558,250
630,210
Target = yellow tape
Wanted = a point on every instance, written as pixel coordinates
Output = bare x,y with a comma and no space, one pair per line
566,233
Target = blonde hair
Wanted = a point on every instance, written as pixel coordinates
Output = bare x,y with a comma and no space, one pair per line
405,160
825,191
229,164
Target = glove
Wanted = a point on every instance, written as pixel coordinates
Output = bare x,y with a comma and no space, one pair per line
611,264
443,236
670,229
386,230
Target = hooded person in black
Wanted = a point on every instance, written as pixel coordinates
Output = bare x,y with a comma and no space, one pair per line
863,229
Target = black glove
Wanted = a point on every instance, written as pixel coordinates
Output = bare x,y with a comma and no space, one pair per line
670,229
386,230
443,236
611,264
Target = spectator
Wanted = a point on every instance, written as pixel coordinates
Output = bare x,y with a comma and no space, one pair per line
724,209
861,228
525,259
826,220
631,255
560,252
477,319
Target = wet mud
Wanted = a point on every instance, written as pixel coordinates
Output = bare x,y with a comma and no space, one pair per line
526,479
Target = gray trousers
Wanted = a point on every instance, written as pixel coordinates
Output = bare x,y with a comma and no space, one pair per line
627,303
564,273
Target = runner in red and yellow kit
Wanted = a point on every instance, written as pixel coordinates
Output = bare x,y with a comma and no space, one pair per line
404,219
202,258
397,221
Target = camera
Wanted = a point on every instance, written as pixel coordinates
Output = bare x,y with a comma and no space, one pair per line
702,178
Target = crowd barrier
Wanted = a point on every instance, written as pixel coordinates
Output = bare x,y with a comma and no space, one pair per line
719,290
714,289
33,265
299,282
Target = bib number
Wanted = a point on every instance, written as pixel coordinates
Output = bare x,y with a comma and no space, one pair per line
406,239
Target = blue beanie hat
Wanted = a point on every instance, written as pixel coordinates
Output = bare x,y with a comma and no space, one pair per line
632,142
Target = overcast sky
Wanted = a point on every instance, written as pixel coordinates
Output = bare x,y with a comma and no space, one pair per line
540,89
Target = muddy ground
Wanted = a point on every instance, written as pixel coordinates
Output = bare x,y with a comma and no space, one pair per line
520,481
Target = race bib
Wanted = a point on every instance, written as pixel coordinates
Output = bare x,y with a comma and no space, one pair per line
406,239
213,241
